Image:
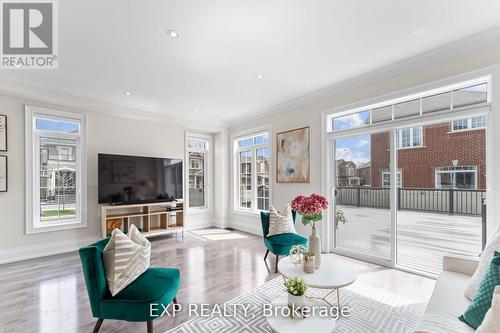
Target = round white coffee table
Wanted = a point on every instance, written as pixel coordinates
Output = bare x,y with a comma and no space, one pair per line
282,323
332,275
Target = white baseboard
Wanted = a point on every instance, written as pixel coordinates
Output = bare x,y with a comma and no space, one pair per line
199,225
42,250
247,227
47,249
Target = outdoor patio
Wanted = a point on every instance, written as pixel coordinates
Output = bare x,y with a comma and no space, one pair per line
422,238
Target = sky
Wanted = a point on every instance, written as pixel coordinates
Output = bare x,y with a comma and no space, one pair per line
56,125
354,148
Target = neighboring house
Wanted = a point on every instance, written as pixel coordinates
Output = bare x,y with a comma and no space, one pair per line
446,155
57,171
262,170
262,173
196,170
365,173
347,174
196,179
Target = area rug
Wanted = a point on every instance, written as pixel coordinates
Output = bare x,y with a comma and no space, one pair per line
372,310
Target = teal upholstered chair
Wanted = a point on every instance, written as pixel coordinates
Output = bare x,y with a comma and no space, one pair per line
279,245
156,285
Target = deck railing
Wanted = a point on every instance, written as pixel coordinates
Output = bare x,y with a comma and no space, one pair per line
451,201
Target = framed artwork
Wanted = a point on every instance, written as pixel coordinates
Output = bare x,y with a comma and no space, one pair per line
293,156
3,132
3,173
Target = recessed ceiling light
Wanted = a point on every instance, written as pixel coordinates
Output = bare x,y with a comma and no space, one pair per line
128,93
195,110
172,33
260,76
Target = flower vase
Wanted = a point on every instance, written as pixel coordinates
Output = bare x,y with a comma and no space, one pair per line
315,246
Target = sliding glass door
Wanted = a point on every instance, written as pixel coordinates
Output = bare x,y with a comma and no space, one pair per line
407,196
442,167
362,196
408,176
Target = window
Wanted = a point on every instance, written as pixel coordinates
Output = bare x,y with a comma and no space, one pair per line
351,121
409,137
468,124
458,177
473,92
252,176
198,158
262,171
386,179
55,179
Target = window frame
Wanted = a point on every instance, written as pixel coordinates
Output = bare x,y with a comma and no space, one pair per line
208,169
390,100
437,171
399,136
399,173
235,138
33,223
469,125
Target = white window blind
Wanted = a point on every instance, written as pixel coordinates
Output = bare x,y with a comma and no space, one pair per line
415,105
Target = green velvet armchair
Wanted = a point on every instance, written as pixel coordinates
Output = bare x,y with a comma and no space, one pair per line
279,245
156,285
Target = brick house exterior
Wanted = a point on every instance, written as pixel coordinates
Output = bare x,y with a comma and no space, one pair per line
347,173
440,148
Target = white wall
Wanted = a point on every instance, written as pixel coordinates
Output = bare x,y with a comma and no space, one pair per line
123,131
309,114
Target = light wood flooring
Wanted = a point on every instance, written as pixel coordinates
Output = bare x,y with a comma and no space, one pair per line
49,295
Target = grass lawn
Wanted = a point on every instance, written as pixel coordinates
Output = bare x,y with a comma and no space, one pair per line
55,212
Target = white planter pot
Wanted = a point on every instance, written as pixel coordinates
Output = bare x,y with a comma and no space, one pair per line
298,301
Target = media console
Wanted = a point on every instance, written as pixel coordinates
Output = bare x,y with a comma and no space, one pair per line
152,218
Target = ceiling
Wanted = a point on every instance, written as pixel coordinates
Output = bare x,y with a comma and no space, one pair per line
109,47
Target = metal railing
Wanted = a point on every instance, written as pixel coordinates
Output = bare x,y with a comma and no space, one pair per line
451,201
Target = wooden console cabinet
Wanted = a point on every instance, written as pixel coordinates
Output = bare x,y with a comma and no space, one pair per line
153,218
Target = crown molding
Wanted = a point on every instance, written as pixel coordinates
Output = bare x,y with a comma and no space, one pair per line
18,87
456,48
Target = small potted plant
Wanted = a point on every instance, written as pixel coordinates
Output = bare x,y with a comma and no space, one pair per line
296,288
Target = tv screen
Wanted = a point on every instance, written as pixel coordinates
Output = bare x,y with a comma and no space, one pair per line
133,179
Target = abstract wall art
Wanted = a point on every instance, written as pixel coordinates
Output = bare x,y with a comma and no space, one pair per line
293,156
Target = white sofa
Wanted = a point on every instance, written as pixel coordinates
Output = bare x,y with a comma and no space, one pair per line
448,301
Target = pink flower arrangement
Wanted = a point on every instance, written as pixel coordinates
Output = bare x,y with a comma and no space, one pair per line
310,207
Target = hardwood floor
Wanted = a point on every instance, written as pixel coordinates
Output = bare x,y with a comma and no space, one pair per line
49,294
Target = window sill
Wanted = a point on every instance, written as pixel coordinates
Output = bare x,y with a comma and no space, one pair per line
416,147
466,130
55,227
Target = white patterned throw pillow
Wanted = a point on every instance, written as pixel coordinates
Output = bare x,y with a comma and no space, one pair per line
281,223
484,263
125,258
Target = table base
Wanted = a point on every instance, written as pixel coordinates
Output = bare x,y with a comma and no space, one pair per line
325,298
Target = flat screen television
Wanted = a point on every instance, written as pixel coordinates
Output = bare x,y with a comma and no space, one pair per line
134,180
